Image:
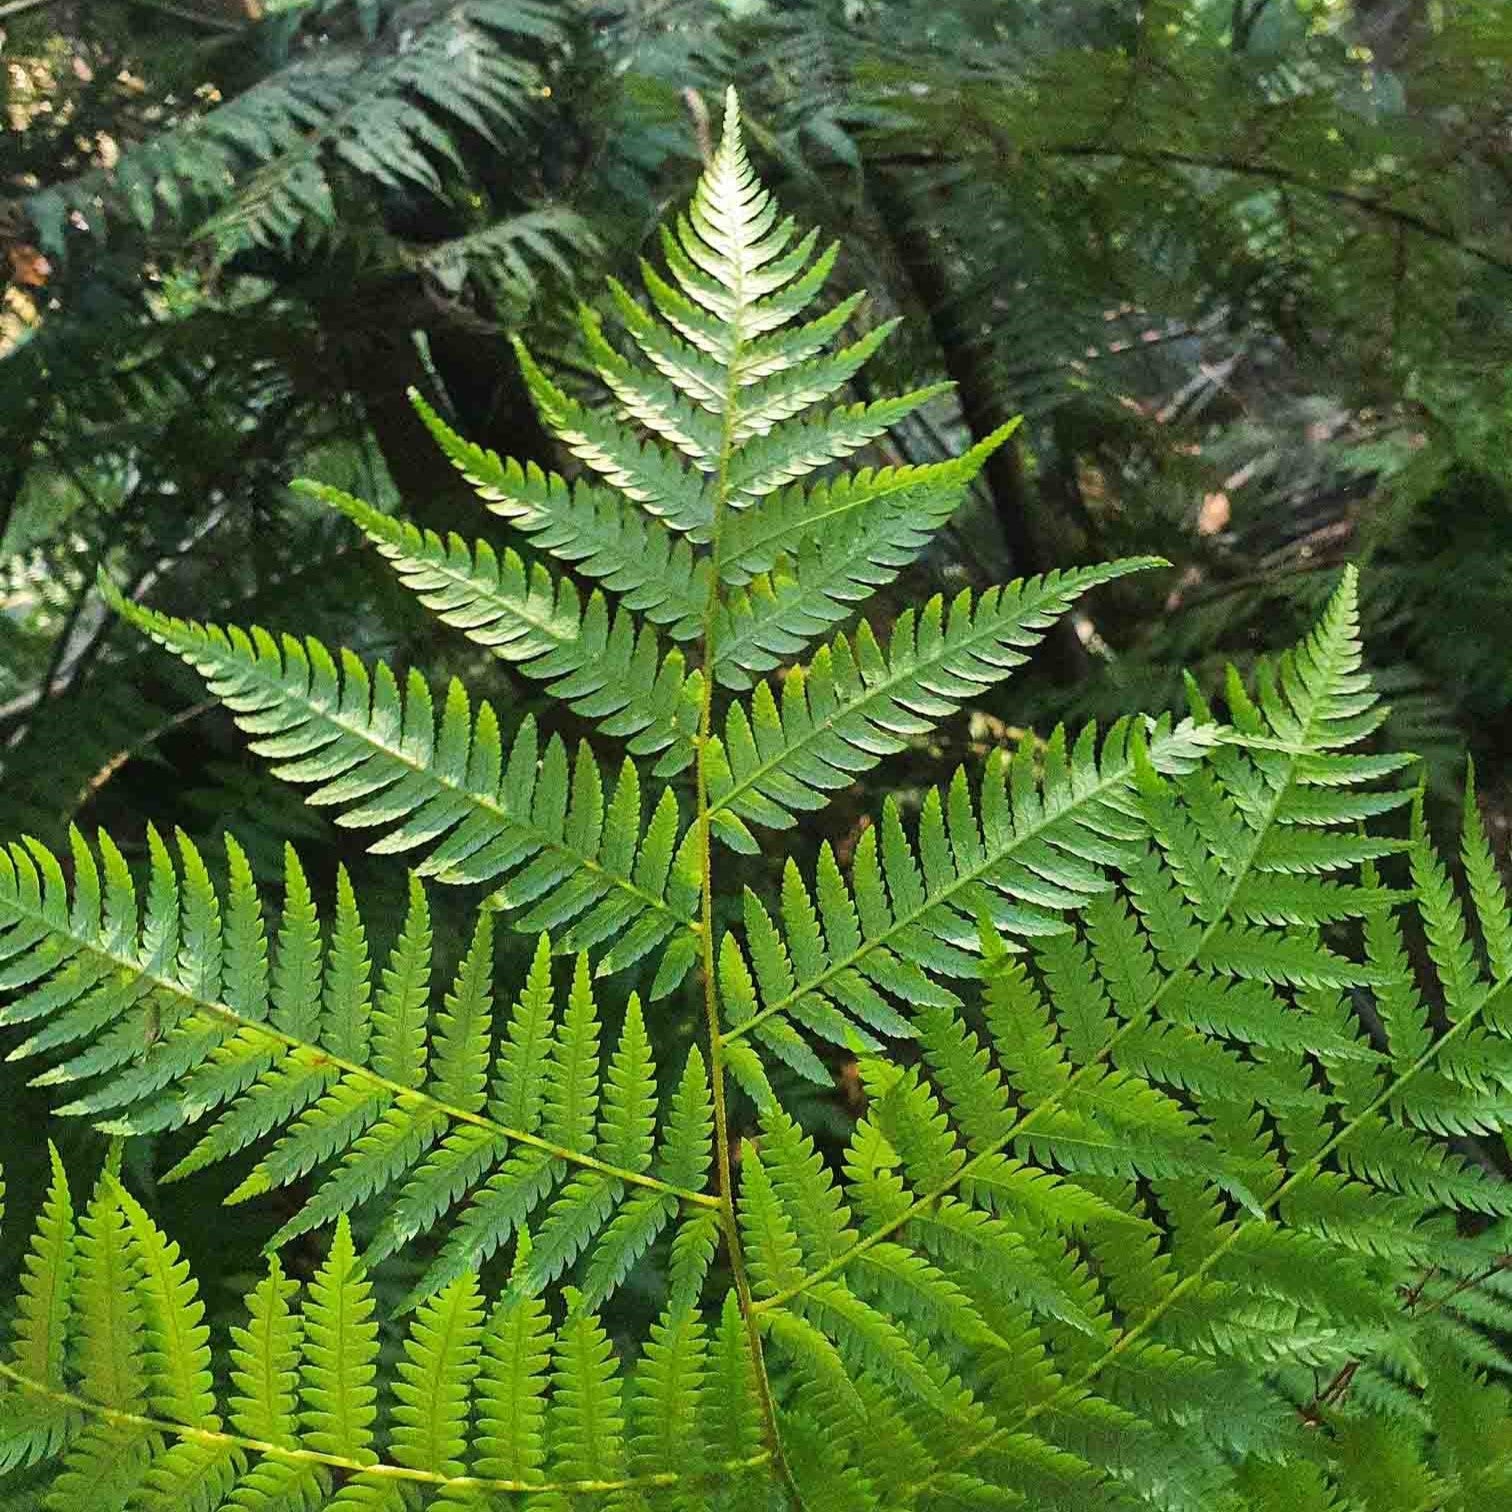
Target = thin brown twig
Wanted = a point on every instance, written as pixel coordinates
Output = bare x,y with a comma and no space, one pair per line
1468,1283
121,757
1336,1388
1327,1396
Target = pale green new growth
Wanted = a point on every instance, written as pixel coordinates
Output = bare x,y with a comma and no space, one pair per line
1171,1047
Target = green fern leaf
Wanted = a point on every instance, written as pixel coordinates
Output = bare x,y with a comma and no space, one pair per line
178,1353
110,1352
669,1404
382,757
177,1362
265,1358
400,1014
1487,891
1019,856
104,1463
40,1333
571,1095
464,1039
795,524
346,1024
434,1387
340,1351
31,1426
585,1421
1444,921
511,1390
1179,1179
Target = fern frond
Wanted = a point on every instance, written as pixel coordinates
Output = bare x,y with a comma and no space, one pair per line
41,1327
178,1354
1185,1133
1487,892
110,1357
386,760
304,1422
1053,1100
641,472
508,256
415,1114
262,165
585,1422
265,1358
670,1402
341,1346
1325,704
464,1037
595,662
516,1351
802,560
610,1207
104,1462
187,1459
400,1049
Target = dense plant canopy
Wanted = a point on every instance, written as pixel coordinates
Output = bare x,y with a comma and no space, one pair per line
1157,1192
1242,266
760,897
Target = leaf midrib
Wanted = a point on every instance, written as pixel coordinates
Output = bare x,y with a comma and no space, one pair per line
984,630
410,1096
490,806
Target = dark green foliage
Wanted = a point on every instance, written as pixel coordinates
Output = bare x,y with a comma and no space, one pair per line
1172,1045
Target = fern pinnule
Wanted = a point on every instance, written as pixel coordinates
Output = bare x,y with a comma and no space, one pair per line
265,1359
36,1427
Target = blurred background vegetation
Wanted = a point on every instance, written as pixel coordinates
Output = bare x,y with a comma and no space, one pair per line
1245,267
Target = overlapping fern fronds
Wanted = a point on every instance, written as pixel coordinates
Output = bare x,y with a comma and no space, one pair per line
727,369
380,98
491,1398
399,1104
1166,1155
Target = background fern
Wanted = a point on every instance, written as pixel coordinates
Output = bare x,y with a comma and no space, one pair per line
1166,1152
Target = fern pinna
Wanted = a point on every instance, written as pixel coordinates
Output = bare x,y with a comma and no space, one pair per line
1171,1185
